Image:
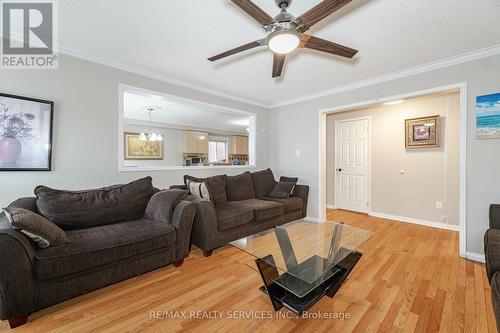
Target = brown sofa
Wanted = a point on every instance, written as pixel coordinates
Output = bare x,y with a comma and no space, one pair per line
115,233
492,254
247,208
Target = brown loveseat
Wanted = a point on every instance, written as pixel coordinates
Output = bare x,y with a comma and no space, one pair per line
492,253
241,206
114,233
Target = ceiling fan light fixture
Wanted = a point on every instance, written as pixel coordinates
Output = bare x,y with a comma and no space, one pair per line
283,41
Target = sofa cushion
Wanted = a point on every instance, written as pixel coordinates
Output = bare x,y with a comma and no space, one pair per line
232,215
239,187
262,209
263,182
289,204
90,208
216,186
92,248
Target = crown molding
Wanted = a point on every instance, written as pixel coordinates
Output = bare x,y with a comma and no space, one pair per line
73,52
455,60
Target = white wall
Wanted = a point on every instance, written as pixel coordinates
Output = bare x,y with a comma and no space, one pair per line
85,146
430,174
295,127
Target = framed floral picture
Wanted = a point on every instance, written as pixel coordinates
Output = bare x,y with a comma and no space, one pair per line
423,132
136,149
25,133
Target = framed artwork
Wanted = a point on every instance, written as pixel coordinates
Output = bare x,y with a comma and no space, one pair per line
488,116
136,149
423,132
25,133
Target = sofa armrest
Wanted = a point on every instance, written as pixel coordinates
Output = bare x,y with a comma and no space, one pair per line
178,187
492,253
182,220
28,203
205,225
495,216
16,283
302,192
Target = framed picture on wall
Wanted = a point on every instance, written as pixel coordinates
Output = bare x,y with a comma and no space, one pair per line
136,149
488,116
422,132
25,133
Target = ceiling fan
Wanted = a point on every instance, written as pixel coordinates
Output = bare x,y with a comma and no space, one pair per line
286,32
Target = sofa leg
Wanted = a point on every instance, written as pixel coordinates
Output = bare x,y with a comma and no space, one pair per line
179,263
17,321
208,253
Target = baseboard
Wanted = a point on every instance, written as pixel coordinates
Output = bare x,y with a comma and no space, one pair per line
475,257
415,221
331,206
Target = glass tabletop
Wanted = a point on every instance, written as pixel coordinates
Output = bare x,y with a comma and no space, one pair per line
305,253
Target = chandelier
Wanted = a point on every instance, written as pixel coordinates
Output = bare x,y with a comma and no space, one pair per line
151,135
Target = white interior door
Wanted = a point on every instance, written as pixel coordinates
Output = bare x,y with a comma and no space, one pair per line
352,165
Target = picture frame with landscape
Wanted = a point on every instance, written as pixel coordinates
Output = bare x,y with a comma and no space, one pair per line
136,149
488,116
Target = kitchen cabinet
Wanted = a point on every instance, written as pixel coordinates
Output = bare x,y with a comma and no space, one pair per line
239,145
195,142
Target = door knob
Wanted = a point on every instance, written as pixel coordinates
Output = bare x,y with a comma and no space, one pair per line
339,170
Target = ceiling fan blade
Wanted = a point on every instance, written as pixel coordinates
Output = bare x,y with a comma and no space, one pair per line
254,11
318,44
319,12
239,49
278,62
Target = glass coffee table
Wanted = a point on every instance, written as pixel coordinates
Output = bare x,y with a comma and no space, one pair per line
301,261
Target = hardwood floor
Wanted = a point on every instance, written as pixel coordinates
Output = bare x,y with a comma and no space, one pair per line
410,279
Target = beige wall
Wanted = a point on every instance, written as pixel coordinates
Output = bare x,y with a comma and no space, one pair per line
430,174
296,127
85,142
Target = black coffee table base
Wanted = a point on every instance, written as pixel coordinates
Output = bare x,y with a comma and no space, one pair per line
280,297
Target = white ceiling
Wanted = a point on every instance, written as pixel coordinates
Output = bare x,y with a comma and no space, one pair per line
178,113
174,38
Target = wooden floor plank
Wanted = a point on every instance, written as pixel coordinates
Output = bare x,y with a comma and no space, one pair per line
410,279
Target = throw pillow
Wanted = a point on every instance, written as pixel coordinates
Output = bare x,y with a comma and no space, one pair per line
216,186
289,179
188,178
199,190
282,190
263,182
39,229
162,204
240,187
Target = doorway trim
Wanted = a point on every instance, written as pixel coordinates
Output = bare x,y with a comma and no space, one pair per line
369,147
462,87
